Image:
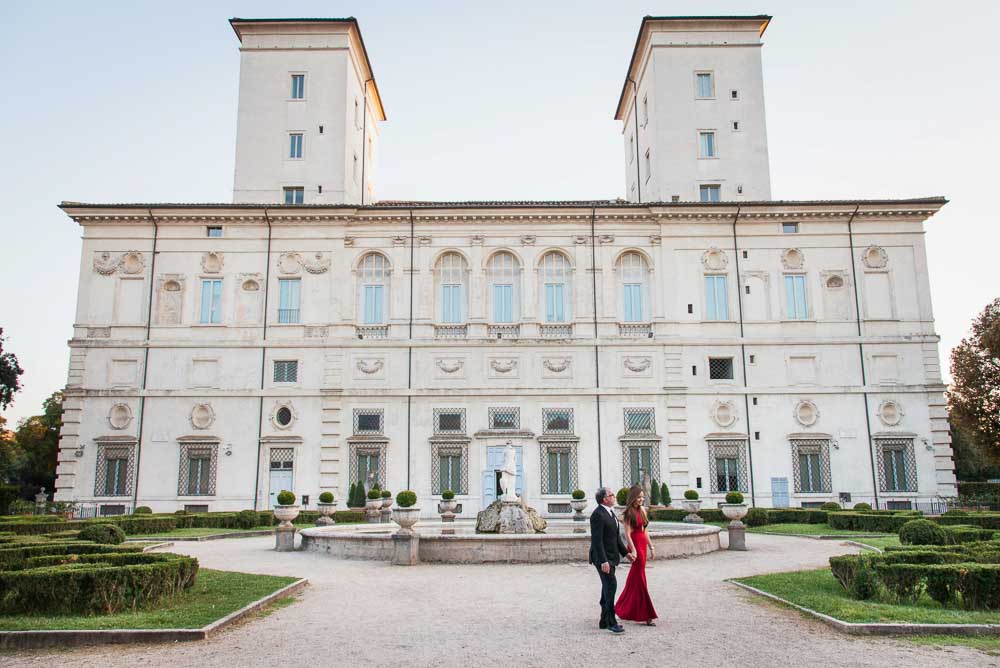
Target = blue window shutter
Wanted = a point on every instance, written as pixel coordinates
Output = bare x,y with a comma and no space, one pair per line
373,305
717,298
633,302
554,304
790,296
503,303
294,294
710,306
206,301
283,289
451,304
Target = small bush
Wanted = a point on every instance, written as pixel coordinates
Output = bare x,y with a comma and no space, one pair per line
247,519
286,498
180,512
830,506
143,510
447,495
955,512
386,494
326,497
691,495
861,506
622,496
579,494
922,532
406,499
756,517
734,497
654,493
103,534
374,494
664,494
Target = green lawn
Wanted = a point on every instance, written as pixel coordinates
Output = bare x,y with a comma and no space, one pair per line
215,594
880,543
988,644
818,590
805,530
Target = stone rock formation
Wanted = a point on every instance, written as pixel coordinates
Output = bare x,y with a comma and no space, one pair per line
509,517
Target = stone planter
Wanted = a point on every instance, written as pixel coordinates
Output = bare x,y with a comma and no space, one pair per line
578,505
373,504
286,514
619,512
734,512
387,502
326,511
405,518
373,510
692,507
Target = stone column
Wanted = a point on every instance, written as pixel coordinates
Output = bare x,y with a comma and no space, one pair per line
284,539
405,549
737,536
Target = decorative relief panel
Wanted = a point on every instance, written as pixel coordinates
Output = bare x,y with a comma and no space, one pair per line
449,367
249,298
202,416
369,368
503,367
528,240
98,332
557,367
169,299
806,413
212,262
723,413
714,259
793,259
875,257
120,416
637,365
129,262
890,413
316,331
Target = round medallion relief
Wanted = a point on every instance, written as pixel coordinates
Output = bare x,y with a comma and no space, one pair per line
875,257
806,413
132,263
202,416
890,413
724,413
212,262
288,263
793,258
120,416
714,259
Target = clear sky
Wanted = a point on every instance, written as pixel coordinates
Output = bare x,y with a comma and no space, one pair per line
136,102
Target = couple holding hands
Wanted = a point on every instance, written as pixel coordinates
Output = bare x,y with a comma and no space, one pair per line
606,550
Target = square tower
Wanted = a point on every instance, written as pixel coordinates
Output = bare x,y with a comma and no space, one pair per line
693,111
307,125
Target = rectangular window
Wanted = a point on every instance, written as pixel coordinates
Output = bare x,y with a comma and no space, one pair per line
716,298
503,303
199,473
197,469
115,476
286,371
633,302
727,474
706,145
506,418
557,420
720,368
709,193
734,94
294,195
295,145
368,421
795,297
736,126
810,472
211,301
449,420
789,228
288,300
558,465
554,304
214,231
451,303
450,472
705,85
368,463
896,461
373,304
640,462
639,421
298,86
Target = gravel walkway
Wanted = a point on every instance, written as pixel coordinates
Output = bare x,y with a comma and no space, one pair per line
364,613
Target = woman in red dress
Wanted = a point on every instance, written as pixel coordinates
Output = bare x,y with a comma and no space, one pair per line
634,603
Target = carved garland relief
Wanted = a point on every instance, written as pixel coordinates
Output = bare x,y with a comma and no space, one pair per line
129,262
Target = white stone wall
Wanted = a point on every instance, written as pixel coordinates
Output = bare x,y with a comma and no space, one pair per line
203,383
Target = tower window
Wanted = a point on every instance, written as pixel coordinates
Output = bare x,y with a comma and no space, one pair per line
295,145
298,86
705,85
736,126
215,231
790,228
709,193
294,195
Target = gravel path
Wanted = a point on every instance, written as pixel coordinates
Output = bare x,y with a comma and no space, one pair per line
372,613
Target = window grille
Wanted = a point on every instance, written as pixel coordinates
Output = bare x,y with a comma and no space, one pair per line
198,464
286,371
559,468
505,418
368,420
284,416
727,462
896,464
449,467
720,368
811,465
449,420
115,470
639,421
368,463
282,458
557,420
638,458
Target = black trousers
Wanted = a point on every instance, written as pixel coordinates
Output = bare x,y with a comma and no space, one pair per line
609,587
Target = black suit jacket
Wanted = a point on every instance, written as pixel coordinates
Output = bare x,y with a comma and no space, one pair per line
606,544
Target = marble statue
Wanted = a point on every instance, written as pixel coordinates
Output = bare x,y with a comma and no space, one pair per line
508,475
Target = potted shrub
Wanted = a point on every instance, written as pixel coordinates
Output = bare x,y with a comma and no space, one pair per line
386,498
692,504
578,501
664,495
286,510
448,503
734,509
374,499
327,505
620,498
405,513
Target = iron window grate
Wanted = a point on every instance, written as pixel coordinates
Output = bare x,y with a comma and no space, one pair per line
720,368
505,418
282,458
370,459
369,420
639,421
115,470
811,465
897,466
286,371
198,466
559,468
444,458
727,463
449,420
557,421
639,458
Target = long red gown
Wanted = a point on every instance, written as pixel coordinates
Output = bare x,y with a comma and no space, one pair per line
634,603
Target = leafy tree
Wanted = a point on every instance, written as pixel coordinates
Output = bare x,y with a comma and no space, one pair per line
37,439
10,372
971,460
974,397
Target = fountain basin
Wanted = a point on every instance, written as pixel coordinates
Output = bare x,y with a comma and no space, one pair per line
559,544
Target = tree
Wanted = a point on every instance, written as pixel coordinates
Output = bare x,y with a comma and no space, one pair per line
974,397
37,439
10,372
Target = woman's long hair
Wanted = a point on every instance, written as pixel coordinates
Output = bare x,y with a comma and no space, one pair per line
634,517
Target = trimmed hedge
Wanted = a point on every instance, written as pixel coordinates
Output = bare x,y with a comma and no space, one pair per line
12,556
983,520
980,492
872,522
672,515
95,584
104,534
8,493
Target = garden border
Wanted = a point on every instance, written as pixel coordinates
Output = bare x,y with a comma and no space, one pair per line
880,628
139,538
76,638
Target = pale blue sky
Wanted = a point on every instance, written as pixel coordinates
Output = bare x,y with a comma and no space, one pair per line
136,102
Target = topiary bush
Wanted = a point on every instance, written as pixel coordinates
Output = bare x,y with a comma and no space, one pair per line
578,495
756,517
861,506
386,494
247,519
622,496
734,497
406,498
286,498
654,493
691,495
143,510
830,506
326,497
374,494
664,494
447,495
103,534
922,532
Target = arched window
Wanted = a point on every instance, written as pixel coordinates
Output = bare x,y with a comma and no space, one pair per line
504,288
554,273
451,274
374,276
633,279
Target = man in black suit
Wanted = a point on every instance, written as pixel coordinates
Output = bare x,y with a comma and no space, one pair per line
606,550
